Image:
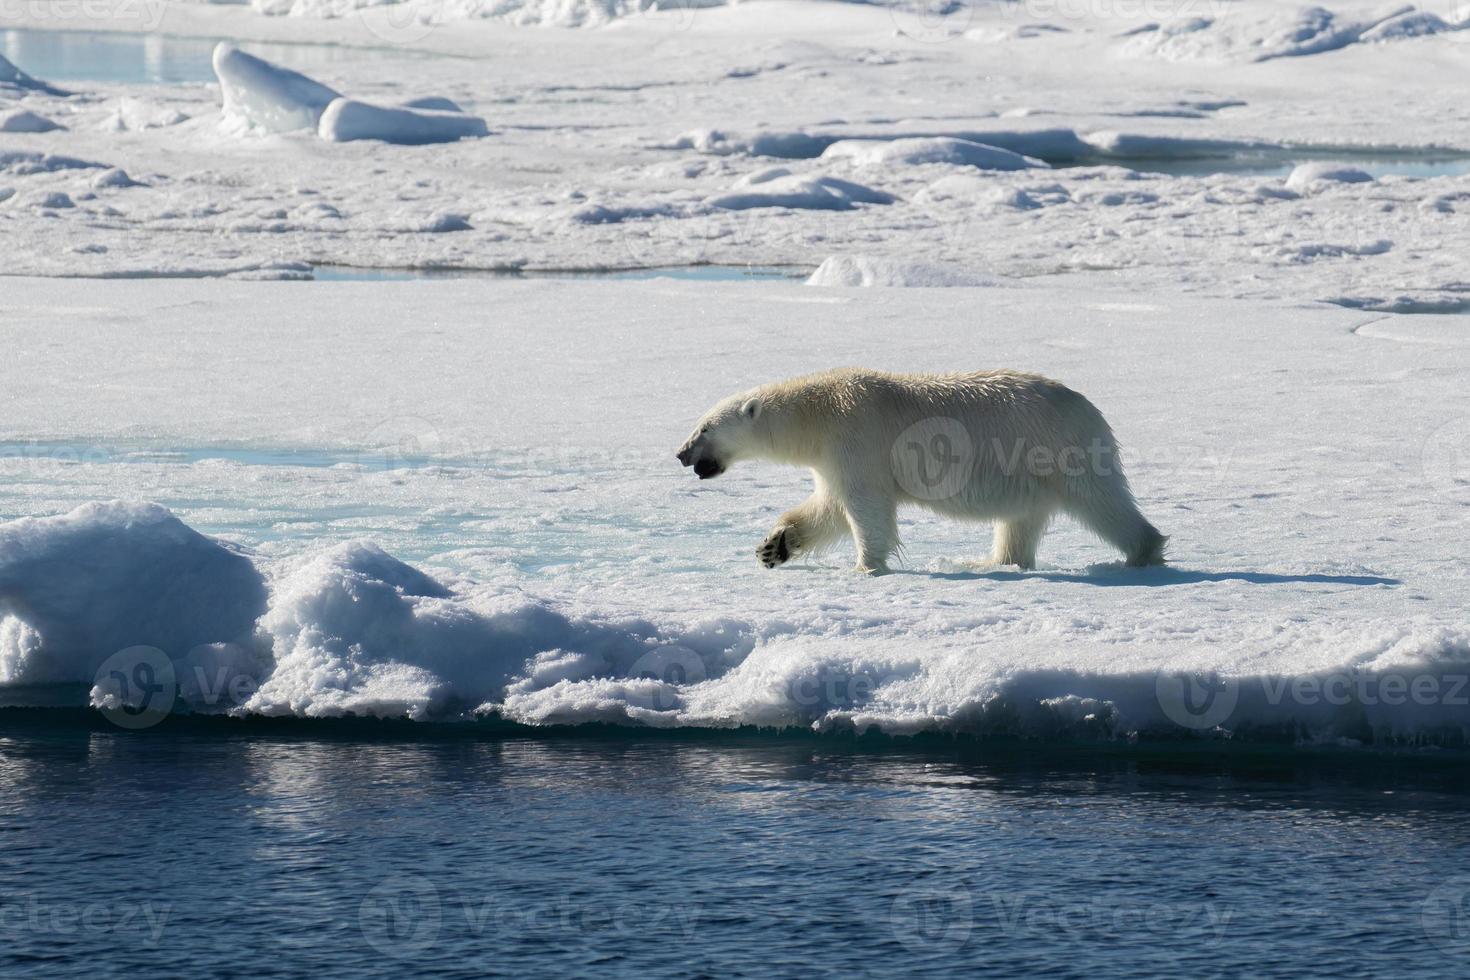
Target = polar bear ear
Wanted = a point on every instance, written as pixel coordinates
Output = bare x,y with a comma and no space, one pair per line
751,409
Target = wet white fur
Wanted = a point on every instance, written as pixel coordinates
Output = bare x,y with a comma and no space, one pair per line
844,425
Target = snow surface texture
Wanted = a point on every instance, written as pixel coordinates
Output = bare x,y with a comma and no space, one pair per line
782,133
537,552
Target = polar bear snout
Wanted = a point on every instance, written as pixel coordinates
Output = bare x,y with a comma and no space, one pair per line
699,454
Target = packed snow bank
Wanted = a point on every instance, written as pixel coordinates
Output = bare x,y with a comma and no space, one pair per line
861,270
349,119
355,631
78,587
800,192
936,149
262,96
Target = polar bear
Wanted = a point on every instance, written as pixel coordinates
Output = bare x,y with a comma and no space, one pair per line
999,446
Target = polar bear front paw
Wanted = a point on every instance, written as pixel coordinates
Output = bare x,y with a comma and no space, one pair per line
777,548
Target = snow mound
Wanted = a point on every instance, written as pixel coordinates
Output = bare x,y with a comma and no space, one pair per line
1308,176
1295,34
794,145
114,179
801,192
79,587
25,121
134,115
861,270
356,631
935,149
18,163
262,96
348,119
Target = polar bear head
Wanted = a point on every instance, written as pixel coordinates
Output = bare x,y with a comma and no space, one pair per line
726,435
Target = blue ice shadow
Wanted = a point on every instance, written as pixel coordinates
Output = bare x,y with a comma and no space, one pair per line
1156,576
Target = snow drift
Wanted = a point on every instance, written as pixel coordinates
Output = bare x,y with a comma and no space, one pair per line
260,95
266,98
936,149
78,587
355,631
863,270
349,119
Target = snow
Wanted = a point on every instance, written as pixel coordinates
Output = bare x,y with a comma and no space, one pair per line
819,193
917,151
862,270
626,145
537,553
440,498
347,119
261,96
1307,176
77,587
25,121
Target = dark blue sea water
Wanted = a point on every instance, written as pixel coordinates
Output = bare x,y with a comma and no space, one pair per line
230,849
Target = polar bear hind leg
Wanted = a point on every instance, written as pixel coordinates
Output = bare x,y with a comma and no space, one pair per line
1116,519
1016,540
